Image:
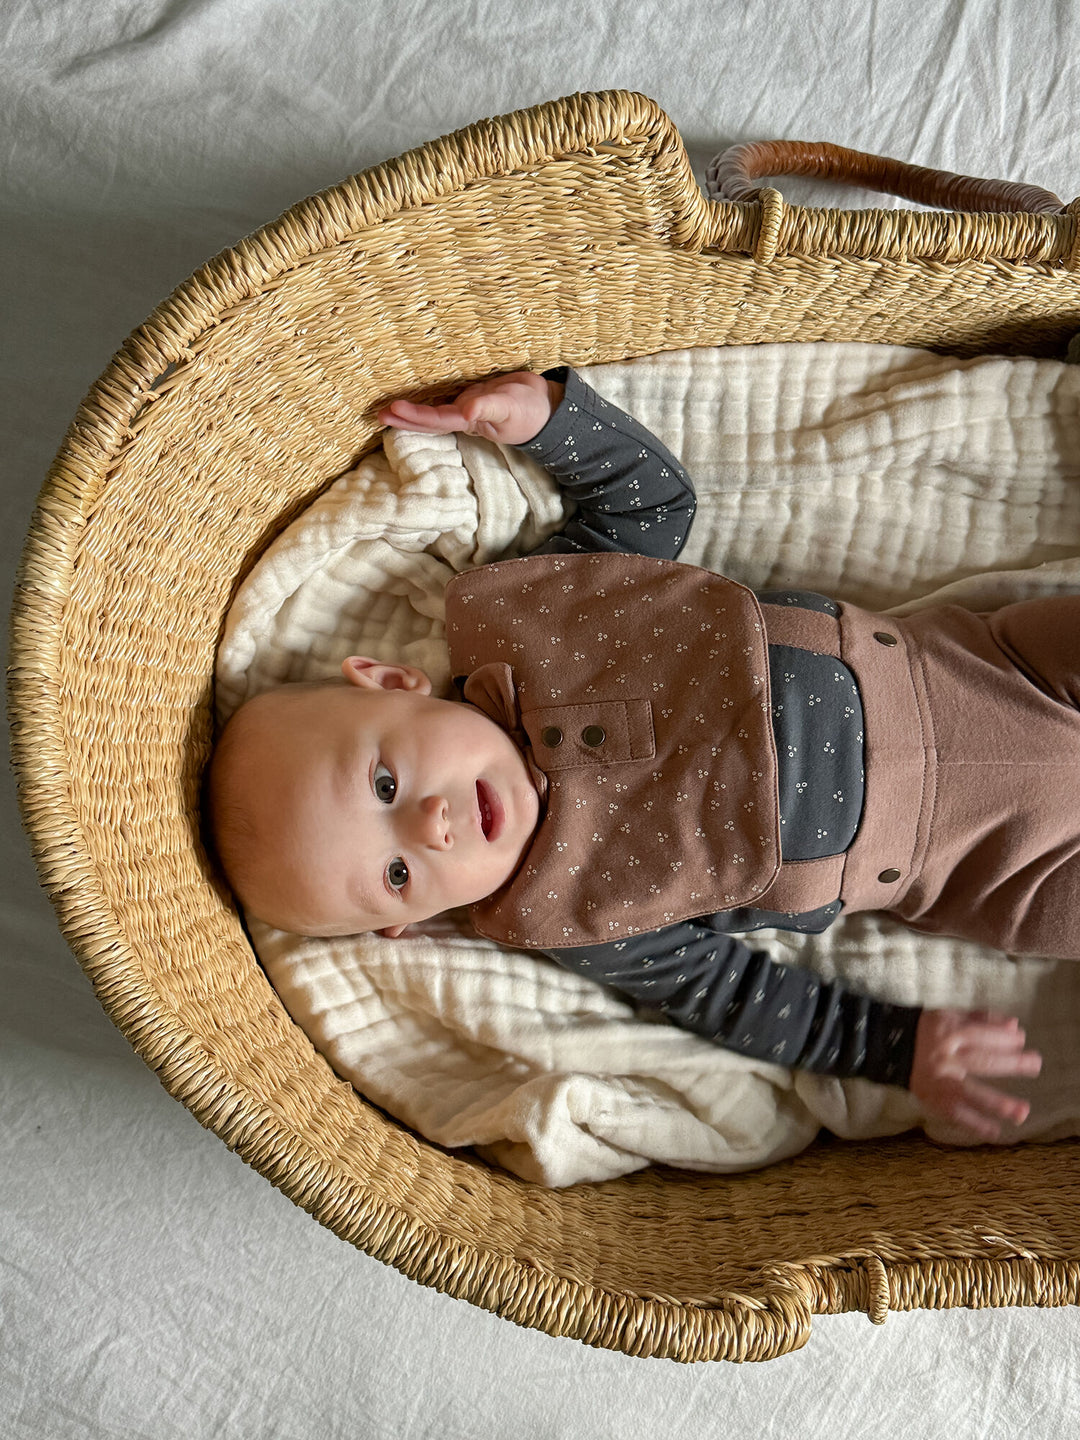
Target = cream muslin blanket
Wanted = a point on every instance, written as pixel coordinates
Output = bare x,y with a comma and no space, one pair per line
885,476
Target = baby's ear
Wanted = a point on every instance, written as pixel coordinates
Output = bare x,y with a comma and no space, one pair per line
391,932
371,674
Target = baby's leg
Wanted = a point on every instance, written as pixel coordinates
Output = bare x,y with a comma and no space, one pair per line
1042,638
1002,864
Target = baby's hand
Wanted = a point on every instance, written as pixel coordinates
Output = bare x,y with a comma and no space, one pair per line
510,408
951,1046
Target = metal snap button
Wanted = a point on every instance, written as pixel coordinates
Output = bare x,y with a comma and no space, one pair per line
884,638
593,735
551,735
888,876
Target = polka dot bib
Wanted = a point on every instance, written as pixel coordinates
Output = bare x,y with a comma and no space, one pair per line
640,689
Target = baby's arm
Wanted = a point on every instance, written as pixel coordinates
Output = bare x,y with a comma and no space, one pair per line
713,985
631,494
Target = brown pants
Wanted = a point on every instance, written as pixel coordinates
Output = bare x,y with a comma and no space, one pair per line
1002,860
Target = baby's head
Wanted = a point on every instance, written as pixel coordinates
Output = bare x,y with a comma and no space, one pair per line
366,803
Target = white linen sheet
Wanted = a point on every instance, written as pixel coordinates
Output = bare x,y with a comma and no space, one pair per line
150,1285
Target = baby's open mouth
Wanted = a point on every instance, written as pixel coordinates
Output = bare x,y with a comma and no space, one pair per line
491,811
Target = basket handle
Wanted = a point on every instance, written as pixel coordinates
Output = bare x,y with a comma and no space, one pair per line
731,176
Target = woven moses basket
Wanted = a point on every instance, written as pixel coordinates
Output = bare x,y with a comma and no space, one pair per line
569,232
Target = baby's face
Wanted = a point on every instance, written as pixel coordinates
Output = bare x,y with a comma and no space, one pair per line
378,805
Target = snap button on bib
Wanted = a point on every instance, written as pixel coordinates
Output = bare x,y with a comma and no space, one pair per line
888,876
551,735
593,735
884,638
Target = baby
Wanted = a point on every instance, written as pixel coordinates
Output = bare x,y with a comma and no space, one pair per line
650,758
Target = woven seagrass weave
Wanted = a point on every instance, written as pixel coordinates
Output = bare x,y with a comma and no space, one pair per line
570,232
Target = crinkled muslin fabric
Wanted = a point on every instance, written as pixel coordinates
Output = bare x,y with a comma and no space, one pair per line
887,477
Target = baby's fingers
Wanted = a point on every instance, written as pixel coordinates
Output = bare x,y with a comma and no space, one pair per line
988,1031
427,419
991,1102
974,1121
979,1050
980,1057
995,1017
980,1109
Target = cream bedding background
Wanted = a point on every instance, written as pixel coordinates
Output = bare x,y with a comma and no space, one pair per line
874,473
150,1284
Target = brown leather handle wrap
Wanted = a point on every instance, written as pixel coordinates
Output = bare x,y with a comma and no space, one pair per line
731,176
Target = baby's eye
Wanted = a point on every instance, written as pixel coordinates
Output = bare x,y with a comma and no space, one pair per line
384,784
397,872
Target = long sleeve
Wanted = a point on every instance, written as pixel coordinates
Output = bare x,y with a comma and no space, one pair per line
714,985
632,495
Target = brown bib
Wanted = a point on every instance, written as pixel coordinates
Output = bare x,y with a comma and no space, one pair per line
640,689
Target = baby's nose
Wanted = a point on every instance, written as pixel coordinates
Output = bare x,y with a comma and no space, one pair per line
434,822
